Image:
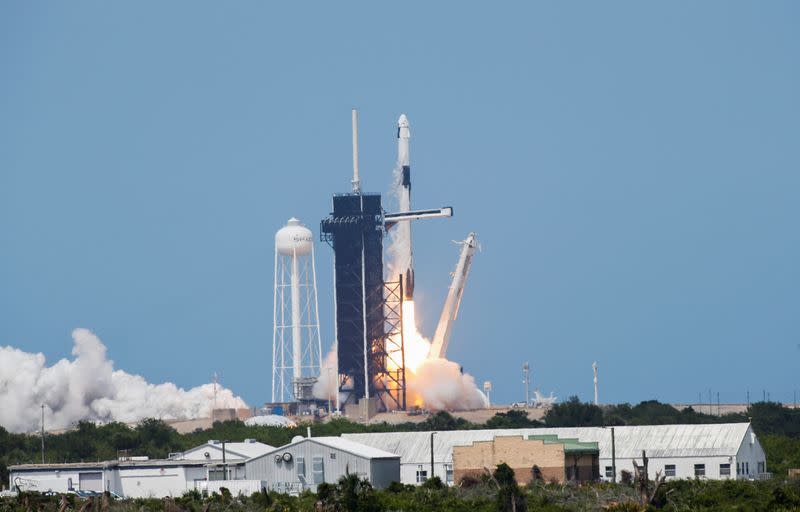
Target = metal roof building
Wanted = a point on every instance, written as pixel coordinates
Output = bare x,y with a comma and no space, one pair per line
715,451
244,450
308,461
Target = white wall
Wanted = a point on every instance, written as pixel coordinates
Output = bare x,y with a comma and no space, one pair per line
749,455
684,466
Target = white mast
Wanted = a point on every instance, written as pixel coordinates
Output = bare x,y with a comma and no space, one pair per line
594,369
356,179
450,311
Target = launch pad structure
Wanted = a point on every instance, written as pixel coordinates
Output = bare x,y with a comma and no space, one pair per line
368,310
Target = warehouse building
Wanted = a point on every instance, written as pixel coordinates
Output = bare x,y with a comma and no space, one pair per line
127,478
140,477
721,451
309,461
547,458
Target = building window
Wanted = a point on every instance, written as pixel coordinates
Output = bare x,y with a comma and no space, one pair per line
318,467
669,470
699,470
301,467
609,471
422,475
333,455
448,473
747,467
724,470
761,468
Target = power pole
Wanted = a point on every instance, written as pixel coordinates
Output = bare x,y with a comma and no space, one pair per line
42,433
433,434
526,373
613,457
594,369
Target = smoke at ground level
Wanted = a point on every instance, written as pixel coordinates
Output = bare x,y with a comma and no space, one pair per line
89,388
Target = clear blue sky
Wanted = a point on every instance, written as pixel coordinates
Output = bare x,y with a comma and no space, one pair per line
631,169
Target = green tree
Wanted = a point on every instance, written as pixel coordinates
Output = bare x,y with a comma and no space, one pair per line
574,413
514,418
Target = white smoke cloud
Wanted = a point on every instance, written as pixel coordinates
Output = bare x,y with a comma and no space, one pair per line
89,388
438,384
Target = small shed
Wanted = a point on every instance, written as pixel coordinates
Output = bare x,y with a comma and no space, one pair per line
309,461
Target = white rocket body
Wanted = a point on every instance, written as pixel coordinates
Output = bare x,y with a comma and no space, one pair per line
404,257
450,311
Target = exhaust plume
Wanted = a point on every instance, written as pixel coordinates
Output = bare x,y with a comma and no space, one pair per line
89,388
433,383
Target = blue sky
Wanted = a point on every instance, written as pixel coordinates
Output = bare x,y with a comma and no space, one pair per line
631,169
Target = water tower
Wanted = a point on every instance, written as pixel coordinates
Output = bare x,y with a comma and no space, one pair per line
296,345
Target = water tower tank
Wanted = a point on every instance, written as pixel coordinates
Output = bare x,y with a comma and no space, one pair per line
294,238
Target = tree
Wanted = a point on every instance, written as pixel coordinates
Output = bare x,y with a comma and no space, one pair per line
574,413
509,496
512,419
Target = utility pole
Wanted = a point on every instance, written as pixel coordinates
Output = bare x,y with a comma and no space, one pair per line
613,457
433,434
42,433
224,463
748,398
594,369
526,373
330,382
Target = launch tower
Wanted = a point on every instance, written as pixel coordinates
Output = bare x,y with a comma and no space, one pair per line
368,310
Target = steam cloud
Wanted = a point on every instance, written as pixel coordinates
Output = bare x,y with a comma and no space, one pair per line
89,388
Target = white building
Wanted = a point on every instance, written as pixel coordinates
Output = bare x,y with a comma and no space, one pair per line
212,450
309,461
720,451
130,479
138,477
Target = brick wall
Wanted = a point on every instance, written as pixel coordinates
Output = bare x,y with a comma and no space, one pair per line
520,454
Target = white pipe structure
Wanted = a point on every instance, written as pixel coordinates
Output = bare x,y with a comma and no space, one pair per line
295,356
594,369
451,305
356,179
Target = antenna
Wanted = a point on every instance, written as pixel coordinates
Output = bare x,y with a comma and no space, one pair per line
42,433
216,381
356,180
594,368
526,373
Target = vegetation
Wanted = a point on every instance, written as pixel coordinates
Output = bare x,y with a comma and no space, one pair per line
778,428
497,491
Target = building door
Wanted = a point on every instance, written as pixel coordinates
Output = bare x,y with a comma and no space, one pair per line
90,482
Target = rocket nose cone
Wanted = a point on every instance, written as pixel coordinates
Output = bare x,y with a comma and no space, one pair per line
403,121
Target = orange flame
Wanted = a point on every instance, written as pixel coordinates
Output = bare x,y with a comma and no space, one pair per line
416,345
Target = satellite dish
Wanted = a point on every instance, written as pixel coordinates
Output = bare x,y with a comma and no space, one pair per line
297,439
208,455
287,457
277,457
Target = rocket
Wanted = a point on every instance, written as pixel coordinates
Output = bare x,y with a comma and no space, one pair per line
404,256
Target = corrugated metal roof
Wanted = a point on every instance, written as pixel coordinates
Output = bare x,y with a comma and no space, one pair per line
658,440
246,450
356,448
114,464
339,443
